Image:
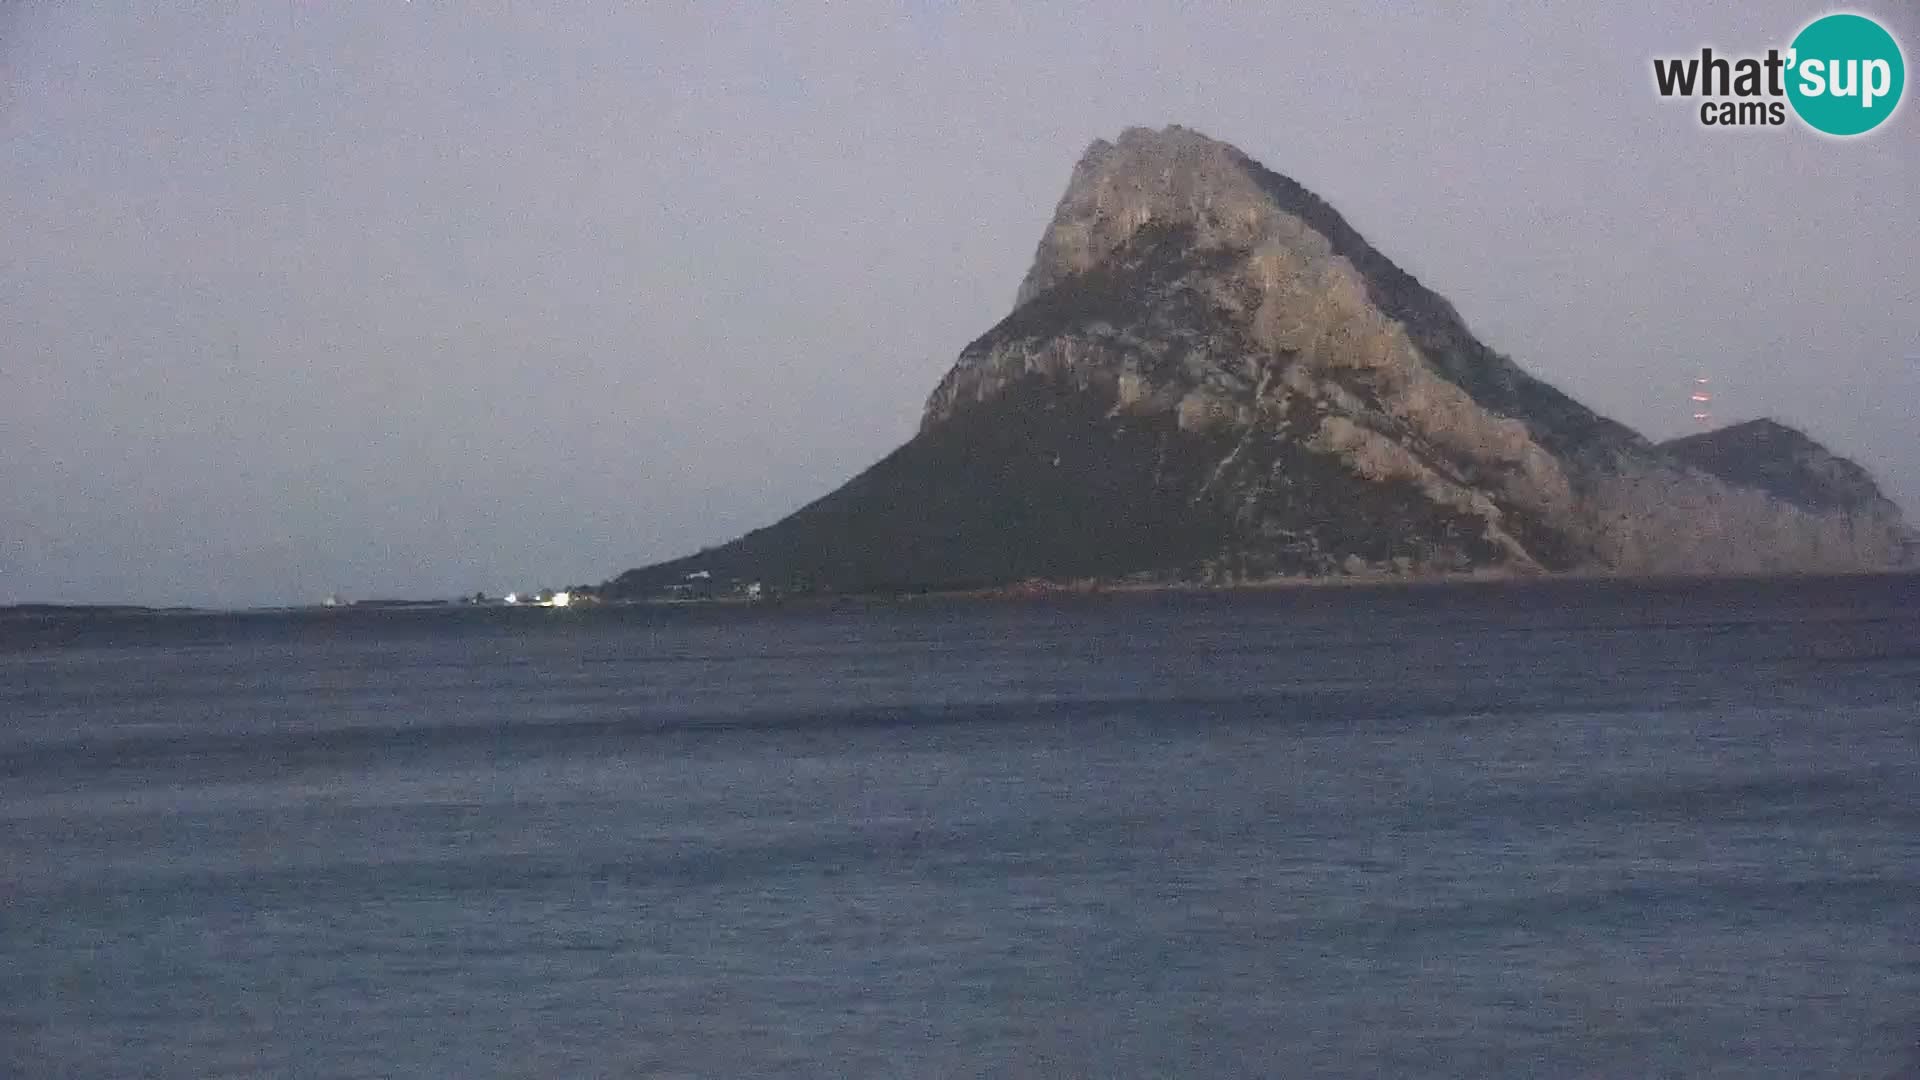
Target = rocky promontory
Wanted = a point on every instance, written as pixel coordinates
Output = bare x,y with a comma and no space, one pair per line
1209,375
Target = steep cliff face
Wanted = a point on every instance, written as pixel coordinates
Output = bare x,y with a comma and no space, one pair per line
1181,277
1209,373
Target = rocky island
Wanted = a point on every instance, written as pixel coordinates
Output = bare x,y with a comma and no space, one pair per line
1208,375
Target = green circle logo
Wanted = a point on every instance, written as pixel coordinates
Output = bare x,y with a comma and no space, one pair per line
1846,74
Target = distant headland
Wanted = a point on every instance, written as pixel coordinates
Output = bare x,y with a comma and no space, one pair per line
1210,377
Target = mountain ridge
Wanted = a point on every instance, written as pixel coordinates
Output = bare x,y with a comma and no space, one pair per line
1780,460
1238,385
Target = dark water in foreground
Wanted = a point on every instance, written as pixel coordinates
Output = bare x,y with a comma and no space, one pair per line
1569,829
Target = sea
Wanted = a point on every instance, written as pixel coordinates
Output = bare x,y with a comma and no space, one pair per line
1554,829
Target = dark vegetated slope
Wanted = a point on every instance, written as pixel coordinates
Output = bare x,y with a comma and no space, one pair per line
1780,461
1039,483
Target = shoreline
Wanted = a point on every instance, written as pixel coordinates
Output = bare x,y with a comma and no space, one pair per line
1030,590
1040,590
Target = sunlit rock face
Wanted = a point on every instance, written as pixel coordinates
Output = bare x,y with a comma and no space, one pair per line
1208,374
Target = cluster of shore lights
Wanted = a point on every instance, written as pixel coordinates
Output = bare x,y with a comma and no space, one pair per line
1702,402
559,599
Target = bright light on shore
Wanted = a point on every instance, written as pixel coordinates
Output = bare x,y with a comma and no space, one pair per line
560,599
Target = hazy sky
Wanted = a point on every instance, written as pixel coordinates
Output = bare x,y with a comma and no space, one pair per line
394,298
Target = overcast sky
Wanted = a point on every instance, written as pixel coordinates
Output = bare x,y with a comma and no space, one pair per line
393,298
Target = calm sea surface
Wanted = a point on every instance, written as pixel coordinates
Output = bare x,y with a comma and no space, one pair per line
1554,830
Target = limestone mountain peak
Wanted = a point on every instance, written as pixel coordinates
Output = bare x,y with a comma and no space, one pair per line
1169,175
1209,373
